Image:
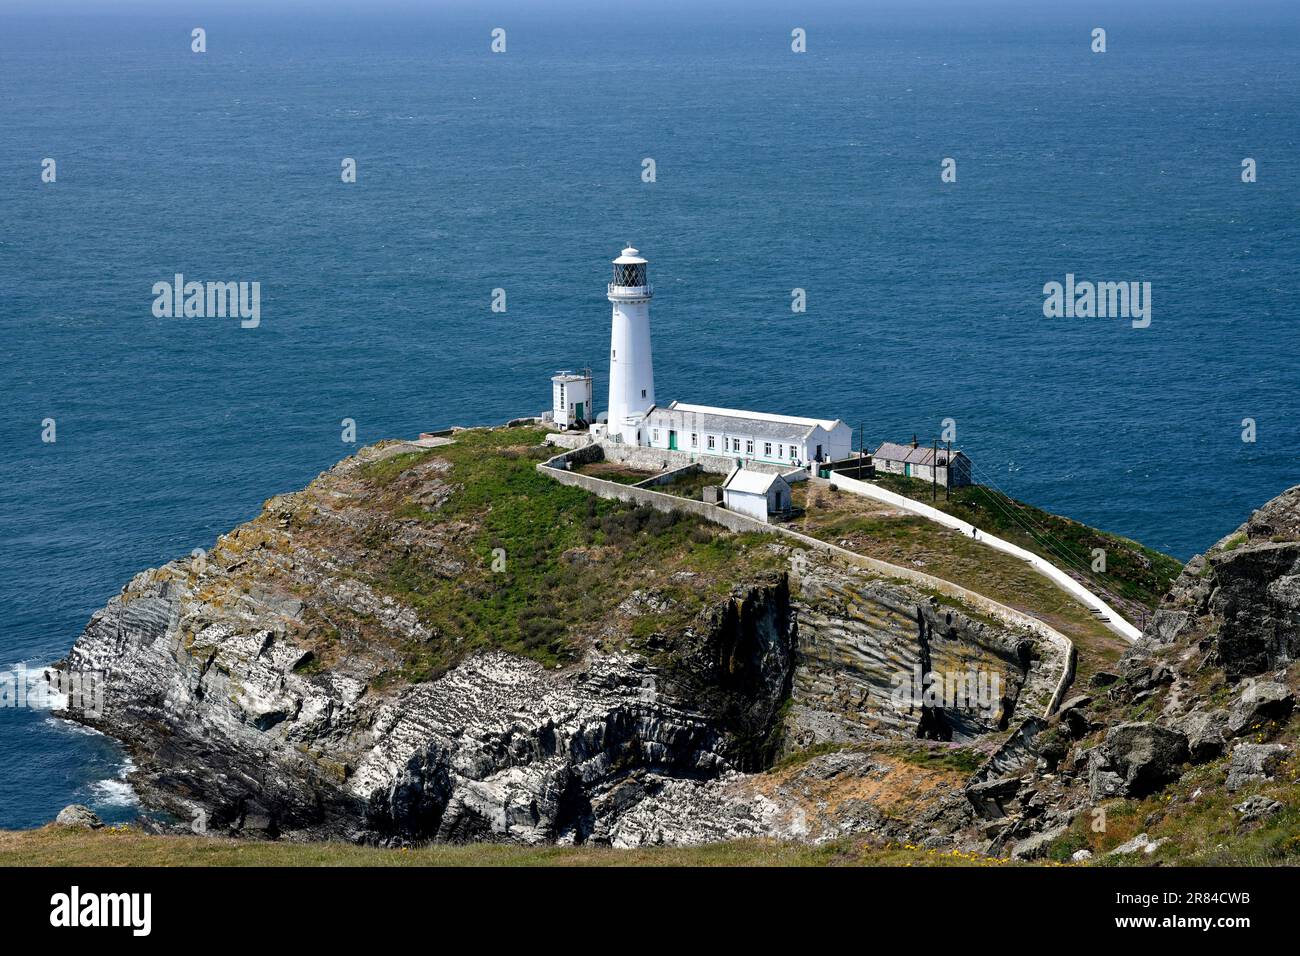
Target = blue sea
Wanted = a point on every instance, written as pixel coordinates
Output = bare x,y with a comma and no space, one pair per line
523,171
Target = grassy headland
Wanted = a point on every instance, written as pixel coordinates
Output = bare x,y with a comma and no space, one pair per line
490,554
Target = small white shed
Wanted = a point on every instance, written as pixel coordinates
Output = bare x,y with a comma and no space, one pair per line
756,493
571,400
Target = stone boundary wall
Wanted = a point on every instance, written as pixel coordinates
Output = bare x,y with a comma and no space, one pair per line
581,455
1058,577
569,439
668,477
663,459
1067,678
655,499
1010,758
1053,644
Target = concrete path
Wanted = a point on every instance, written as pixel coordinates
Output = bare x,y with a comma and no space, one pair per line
1104,612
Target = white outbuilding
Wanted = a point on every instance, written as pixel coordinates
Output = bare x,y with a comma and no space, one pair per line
571,400
756,493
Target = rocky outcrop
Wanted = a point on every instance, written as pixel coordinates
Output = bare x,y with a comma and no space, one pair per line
266,688
1257,807
229,724
1205,733
868,651
1260,704
1242,598
1139,844
1253,763
1136,759
1211,681
1036,846
501,749
78,815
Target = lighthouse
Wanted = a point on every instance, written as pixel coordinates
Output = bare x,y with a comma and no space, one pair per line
685,433
631,370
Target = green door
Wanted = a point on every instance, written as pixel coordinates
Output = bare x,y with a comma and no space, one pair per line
672,440
577,411
907,471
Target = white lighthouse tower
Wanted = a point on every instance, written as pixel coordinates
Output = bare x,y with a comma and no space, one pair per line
631,370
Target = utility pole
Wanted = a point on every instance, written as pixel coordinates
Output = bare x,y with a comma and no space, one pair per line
947,473
934,469
860,433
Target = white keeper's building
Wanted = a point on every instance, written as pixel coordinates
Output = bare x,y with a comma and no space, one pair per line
636,419
752,436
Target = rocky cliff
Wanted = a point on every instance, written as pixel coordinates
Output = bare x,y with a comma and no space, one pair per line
440,644
1187,752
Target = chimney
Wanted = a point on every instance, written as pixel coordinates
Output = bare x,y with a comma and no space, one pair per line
915,443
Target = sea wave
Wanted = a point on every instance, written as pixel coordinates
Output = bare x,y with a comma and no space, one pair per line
113,793
72,727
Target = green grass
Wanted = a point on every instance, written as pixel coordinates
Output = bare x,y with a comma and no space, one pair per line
61,846
691,486
543,558
941,756
1236,541
1133,572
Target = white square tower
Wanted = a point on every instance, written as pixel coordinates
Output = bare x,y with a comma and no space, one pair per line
571,400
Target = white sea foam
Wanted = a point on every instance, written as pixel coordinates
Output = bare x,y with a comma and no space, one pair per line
113,793
55,699
71,727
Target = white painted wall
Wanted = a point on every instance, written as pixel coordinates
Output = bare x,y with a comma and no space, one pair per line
758,505
782,452
836,444
567,392
745,503
631,367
